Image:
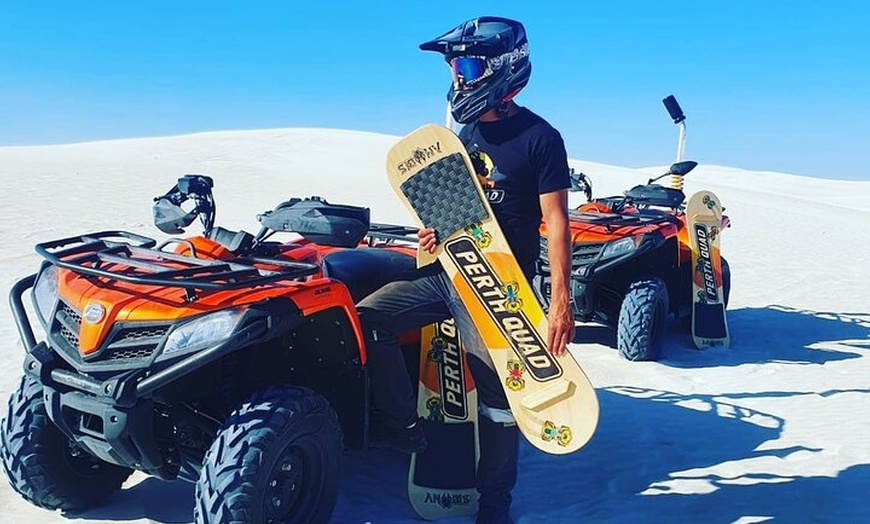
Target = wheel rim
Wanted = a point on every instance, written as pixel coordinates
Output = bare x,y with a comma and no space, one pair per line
291,479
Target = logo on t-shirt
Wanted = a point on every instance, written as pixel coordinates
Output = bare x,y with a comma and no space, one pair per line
488,175
495,196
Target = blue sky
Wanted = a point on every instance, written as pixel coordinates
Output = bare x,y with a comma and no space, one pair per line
766,84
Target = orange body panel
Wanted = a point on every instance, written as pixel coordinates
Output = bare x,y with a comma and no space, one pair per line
127,302
582,231
585,230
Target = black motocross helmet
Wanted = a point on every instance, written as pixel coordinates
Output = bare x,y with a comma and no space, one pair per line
489,59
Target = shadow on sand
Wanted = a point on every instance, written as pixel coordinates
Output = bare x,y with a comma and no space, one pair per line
152,499
657,456
654,461
651,459
760,335
779,334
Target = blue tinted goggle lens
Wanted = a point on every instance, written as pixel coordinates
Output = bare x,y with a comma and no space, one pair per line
467,70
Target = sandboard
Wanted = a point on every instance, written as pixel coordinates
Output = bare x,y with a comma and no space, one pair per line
709,323
441,479
551,398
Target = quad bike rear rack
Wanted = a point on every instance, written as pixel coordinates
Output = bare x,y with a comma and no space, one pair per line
136,260
618,220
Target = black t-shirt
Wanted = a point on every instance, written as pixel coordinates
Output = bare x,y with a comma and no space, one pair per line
527,158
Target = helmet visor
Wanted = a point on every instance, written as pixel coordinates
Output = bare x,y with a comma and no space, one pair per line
468,71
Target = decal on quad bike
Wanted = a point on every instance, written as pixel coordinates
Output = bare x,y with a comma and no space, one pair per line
515,380
94,313
562,436
445,350
420,156
705,263
481,237
515,326
436,414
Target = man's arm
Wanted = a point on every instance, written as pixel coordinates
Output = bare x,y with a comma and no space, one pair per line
554,206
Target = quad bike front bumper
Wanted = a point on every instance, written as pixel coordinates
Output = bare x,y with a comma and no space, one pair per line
112,414
106,418
594,277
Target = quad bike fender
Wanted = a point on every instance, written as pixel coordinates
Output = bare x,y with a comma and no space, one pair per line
328,293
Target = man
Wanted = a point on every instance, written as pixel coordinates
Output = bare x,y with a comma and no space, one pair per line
526,166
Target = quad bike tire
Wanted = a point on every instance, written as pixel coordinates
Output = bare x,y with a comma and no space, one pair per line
642,319
275,459
43,465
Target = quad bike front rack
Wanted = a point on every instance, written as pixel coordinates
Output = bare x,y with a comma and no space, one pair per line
135,260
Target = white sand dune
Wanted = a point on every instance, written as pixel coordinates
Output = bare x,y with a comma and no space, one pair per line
773,429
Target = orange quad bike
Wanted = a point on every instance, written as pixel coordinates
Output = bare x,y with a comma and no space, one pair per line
631,260
227,359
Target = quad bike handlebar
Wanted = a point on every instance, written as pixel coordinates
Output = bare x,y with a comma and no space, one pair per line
313,218
674,109
650,194
581,182
679,118
679,168
171,218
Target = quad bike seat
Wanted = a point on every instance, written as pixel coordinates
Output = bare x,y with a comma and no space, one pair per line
236,241
364,270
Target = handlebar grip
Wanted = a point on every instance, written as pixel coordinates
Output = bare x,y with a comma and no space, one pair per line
674,109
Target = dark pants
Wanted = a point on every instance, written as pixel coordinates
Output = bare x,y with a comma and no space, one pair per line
409,304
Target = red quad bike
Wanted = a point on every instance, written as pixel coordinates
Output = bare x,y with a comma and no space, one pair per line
631,261
227,359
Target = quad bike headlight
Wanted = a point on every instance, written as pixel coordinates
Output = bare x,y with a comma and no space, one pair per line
203,332
45,293
620,247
